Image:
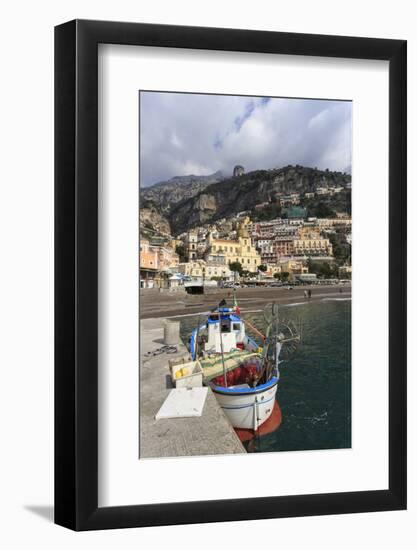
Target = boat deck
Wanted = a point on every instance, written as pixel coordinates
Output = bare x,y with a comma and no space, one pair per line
213,364
210,434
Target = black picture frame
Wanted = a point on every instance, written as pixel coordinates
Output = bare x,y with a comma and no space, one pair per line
76,272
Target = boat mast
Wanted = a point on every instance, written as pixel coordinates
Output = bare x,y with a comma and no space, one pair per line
196,338
277,343
221,350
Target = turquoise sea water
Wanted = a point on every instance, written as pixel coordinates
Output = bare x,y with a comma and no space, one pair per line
314,391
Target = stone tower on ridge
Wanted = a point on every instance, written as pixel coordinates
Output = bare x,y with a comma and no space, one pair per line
238,170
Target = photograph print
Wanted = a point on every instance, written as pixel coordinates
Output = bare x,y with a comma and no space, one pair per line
245,268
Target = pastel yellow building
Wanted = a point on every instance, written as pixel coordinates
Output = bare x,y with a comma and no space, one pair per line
221,271
293,267
329,223
199,269
192,269
312,247
310,243
238,250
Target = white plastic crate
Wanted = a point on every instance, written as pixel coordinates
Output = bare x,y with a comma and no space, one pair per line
192,377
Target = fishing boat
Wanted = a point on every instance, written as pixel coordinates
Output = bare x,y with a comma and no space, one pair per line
243,374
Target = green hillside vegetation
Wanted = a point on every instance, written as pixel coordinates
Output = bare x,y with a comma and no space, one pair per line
326,206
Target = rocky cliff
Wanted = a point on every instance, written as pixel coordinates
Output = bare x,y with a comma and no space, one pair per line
194,202
152,223
166,194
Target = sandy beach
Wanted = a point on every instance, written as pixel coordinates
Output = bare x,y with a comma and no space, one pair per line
154,304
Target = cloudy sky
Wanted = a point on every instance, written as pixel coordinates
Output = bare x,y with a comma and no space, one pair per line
182,134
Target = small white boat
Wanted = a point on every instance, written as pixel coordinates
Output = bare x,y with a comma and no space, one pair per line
247,407
243,376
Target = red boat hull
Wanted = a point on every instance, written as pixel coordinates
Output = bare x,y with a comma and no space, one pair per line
269,426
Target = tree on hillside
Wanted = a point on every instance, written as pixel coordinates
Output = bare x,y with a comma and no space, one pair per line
283,276
321,210
323,270
262,268
341,248
180,250
247,274
236,266
268,212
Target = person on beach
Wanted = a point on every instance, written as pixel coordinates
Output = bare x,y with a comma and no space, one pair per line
309,294
305,294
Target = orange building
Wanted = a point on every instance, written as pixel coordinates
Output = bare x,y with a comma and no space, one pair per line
153,260
148,265
284,246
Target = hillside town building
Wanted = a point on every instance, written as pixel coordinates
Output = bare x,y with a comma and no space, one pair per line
282,245
153,262
238,250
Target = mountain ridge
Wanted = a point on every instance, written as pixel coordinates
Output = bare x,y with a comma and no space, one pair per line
186,203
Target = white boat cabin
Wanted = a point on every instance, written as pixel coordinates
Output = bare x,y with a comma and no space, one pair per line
225,334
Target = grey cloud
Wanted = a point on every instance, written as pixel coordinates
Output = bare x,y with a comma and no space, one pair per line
199,134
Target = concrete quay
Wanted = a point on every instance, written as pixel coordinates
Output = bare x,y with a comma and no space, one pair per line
210,434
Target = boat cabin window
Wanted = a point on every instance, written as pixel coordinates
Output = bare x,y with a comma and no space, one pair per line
236,326
225,326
